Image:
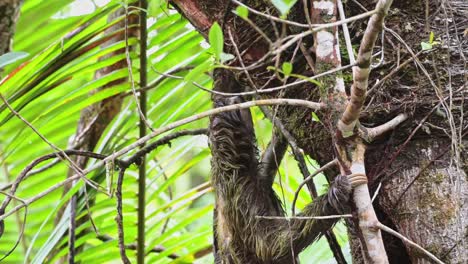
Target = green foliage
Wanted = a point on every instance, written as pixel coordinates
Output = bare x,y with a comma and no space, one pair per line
242,11
283,5
431,43
287,68
216,40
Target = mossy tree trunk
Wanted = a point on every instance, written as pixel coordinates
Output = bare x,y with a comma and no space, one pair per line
422,164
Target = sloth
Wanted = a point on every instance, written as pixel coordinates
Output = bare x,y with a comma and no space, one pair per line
243,191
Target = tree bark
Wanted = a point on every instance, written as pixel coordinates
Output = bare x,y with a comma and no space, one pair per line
9,12
432,212
425,196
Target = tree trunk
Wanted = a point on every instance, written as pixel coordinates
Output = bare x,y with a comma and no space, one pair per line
429,170
9,11
425,196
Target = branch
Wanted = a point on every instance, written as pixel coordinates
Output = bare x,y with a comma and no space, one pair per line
294,38
369,134
411,243
119,218
158,131
326,217
156,249
141,206
21,233
60,154
361,71
64,157
262,91
310,177
163,141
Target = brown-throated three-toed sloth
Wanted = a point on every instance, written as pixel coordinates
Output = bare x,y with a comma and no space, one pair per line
243,188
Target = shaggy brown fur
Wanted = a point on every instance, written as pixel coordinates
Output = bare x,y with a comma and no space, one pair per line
243,193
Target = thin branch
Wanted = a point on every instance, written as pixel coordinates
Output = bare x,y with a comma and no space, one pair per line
277,88
297,37
409,242
393,72
326,217
292,102
376,193
65,157
369,134
121,163
421,170
163,141
30,166
24,173
349,46
119,218
33,172
2,224
241,61
310,177
160,80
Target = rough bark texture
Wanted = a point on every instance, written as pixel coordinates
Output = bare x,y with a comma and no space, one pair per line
9,11
427,200
413,89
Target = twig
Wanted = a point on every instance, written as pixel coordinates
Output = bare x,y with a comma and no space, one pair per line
160,80
241,61
72,164
156,132
304,217
2,224
121,163
163,141
376,192
400,196
369,134
119,218
277,88
409,242
349,46
24,172
33,172
310,177
393,72
294,38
